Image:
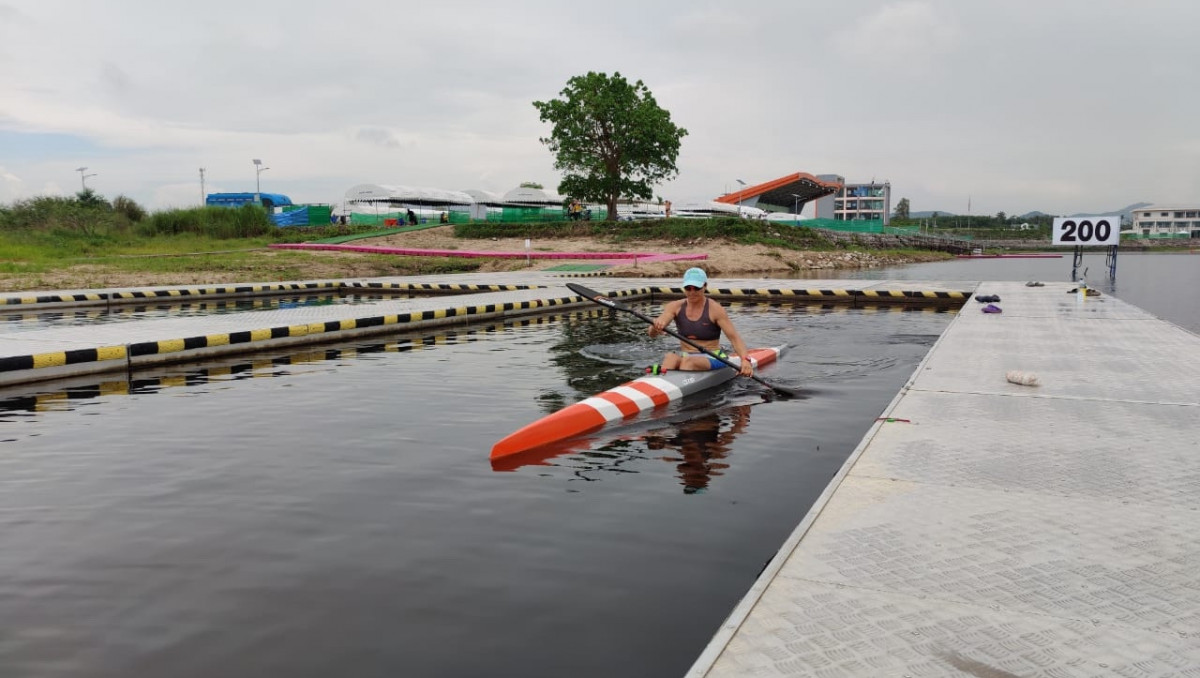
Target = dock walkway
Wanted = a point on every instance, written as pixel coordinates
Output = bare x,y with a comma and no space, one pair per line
985,528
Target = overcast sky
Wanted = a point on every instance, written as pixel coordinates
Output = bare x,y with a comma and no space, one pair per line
1053,105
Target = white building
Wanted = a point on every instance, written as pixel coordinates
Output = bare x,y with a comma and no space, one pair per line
855,202
1167,221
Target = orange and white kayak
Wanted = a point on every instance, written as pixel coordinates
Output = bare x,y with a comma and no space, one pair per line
622,402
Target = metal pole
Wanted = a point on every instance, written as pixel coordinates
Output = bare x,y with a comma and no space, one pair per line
203,197
258,170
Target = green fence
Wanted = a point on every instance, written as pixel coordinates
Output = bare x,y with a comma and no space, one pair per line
863,226
401,218
526,215
1158,236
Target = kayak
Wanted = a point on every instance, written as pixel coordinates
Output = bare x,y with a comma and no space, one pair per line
623,402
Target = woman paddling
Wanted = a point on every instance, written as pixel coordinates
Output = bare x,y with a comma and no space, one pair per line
701,320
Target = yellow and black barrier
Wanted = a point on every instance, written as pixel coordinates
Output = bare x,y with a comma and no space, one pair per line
52,365
264,366
848,295
225,291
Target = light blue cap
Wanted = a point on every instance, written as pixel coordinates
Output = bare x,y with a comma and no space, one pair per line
695,276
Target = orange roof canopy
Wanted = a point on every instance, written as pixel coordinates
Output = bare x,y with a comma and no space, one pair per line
785,192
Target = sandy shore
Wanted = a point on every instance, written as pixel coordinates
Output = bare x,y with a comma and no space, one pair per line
724,259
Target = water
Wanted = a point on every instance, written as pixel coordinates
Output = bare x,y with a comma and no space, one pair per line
334,512
1164,284
16,320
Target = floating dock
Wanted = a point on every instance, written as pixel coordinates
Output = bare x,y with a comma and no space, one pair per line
990,528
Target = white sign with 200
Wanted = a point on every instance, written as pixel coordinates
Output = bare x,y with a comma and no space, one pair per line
1087,231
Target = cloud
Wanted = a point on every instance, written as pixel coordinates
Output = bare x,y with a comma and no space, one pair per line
11,186
943,98
898,36
377,136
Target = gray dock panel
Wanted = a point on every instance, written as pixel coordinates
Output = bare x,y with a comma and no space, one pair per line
994,529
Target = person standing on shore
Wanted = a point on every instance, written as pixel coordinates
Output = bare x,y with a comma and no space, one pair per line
702,321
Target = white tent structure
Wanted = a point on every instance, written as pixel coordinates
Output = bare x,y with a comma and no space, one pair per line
532,197
483,201
711,208
785,217
404,196
383,200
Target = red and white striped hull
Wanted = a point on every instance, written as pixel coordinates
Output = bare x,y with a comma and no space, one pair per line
622,402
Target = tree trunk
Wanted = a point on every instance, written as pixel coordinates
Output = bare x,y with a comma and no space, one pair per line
612,208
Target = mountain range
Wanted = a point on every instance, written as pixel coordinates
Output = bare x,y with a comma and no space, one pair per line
1125,212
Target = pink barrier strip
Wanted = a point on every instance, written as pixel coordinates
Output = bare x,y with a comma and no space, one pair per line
477,254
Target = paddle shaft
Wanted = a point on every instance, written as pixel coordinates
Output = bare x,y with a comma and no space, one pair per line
605,301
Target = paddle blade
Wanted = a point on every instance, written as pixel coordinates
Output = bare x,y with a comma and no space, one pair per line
593,295
584,291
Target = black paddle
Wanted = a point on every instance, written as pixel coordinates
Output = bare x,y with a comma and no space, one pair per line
595,296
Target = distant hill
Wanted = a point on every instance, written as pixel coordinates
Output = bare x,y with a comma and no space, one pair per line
1125,212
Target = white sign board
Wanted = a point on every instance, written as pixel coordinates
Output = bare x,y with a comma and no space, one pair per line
1086,231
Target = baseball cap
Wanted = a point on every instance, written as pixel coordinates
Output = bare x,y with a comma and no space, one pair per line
695,276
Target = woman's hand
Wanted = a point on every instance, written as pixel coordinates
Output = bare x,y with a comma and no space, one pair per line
746,369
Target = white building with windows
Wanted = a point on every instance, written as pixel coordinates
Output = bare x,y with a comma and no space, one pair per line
1167,221
855,202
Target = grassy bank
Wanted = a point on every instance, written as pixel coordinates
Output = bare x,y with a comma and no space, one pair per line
681,231
87,242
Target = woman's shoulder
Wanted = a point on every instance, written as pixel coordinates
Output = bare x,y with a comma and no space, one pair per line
715,308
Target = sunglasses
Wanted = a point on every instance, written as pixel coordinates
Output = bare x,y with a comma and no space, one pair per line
690,288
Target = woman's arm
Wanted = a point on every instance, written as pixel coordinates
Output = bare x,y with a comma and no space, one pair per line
721,318
665,318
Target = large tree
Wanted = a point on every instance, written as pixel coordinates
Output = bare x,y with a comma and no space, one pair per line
610,138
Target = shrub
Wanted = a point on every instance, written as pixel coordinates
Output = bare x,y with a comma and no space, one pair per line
731,229
129,208
224,223
93,216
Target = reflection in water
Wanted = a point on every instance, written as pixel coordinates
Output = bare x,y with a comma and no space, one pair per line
703,443
122,312
702,437
67,394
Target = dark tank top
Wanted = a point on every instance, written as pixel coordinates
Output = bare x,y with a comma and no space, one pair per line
702,329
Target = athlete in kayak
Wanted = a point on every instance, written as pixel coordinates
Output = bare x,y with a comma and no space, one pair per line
701,320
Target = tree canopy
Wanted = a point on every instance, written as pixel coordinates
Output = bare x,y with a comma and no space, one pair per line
610,138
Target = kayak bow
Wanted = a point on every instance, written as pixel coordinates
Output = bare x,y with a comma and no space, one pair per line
622,402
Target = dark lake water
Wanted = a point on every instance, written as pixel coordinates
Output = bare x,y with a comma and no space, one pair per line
333,511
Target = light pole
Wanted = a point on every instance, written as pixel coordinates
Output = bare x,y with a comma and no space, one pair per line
83,177
796,209
258,170
203,197
740,196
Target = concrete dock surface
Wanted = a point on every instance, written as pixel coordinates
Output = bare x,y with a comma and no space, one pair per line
990,528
